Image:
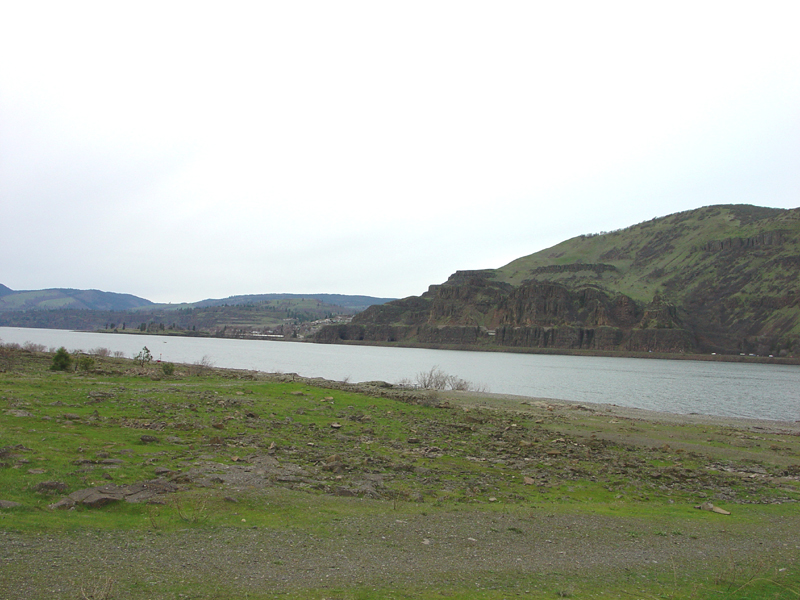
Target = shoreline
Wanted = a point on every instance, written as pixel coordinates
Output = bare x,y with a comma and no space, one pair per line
518,402
532,404
704,357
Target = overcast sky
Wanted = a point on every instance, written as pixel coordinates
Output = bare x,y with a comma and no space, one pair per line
187,150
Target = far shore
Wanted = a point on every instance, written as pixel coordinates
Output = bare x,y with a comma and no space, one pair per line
710,357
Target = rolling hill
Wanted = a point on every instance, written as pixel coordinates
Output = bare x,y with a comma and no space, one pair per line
720,279
62,298
232,316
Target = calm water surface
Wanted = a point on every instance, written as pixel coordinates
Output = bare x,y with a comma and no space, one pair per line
727,389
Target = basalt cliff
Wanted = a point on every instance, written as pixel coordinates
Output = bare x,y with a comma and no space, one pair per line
722,279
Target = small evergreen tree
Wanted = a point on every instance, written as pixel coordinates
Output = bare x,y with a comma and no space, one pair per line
144,357
61,360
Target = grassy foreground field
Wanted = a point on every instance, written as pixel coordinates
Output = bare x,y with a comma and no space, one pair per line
119,481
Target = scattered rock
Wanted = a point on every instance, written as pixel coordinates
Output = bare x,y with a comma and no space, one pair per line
9,504
71,417
144,491
335,465
149,439
378,384
710,507
336,425
13,412
50,487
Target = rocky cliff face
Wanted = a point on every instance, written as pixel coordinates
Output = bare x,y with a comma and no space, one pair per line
720,279
475,311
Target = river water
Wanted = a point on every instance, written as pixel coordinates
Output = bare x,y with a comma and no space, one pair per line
679,386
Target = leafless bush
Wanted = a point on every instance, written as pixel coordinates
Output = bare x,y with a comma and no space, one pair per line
31,347
119,354
436,379
202,365
100,351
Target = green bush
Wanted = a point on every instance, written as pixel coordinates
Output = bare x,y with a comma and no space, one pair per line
85,363
61,360
168,368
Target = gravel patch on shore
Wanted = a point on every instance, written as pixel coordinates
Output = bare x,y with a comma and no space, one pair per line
457,548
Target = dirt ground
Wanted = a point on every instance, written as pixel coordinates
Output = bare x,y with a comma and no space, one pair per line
432,551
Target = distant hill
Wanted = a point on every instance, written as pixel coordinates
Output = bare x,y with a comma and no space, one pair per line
232,316
354,303
716,279
60,298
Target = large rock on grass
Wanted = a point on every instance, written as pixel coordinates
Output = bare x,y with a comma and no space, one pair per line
144,491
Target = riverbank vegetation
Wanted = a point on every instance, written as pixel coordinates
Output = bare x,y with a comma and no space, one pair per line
121,480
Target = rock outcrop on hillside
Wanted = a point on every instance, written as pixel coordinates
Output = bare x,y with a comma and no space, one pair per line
720,279
472,310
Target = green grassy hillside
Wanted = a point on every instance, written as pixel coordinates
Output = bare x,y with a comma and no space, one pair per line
661,255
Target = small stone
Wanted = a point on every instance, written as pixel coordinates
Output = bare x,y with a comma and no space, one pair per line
336,425
148,439
13,412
